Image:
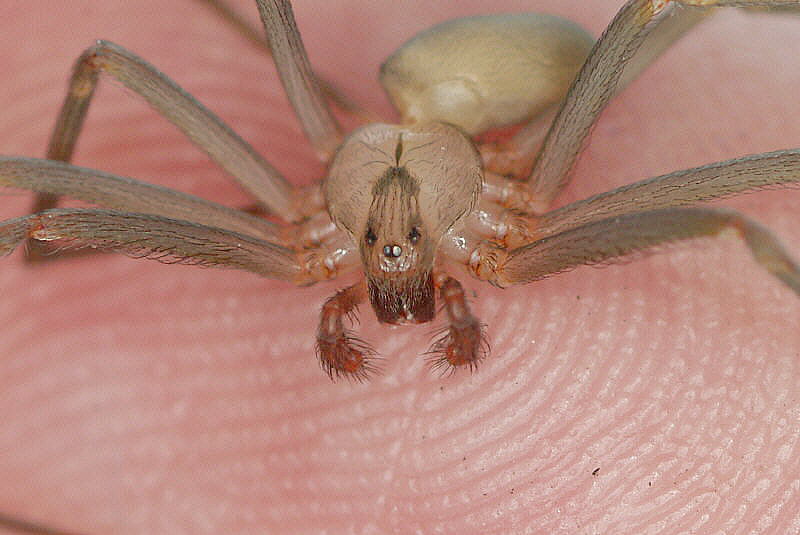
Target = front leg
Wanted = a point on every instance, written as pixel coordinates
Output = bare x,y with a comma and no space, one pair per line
596,84
199,124
167,240
680,188
49,177
611,239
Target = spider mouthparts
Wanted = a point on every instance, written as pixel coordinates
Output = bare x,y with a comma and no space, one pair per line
399,300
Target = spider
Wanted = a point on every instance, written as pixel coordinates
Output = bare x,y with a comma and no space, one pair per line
481,377
407,203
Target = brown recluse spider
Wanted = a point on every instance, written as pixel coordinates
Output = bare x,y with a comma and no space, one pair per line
487,149
404,203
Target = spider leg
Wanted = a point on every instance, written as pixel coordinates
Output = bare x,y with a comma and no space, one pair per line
596,84
255,36
610,239
514,157
177,241
340,352
462,342
680,188
301,85
127,195
322,250
156,237
199,124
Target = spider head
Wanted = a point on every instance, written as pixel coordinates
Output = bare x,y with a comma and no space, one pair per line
397,250
397,190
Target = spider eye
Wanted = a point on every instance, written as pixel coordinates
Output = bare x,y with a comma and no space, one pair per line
370,238
414,235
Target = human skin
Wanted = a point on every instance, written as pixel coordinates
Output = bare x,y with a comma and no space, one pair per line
658,396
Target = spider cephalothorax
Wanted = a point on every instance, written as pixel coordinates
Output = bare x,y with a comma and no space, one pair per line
396,191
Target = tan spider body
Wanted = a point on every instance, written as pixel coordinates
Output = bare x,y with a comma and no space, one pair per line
405,202
94,377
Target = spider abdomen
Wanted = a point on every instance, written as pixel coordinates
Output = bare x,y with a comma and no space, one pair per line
485,71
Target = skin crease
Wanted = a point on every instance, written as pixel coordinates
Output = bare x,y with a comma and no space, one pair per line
661,396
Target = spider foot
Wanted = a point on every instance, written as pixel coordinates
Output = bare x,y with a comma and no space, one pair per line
345,355
461,343
458,346
339,351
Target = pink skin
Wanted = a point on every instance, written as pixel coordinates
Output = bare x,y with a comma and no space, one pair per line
138,397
